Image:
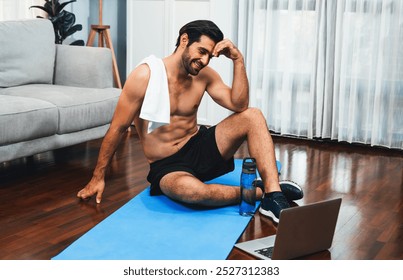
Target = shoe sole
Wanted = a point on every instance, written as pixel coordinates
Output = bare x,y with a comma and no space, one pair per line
291,183
269,214
295,185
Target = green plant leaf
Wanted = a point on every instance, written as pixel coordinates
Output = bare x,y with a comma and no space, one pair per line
74,29
67,21
77,43
62,5
42,8
49,6
63,21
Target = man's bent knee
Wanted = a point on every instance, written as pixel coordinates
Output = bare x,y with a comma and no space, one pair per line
253,114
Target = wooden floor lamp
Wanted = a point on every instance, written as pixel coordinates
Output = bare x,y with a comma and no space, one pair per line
104,37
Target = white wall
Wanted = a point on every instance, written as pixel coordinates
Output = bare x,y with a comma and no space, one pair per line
153,26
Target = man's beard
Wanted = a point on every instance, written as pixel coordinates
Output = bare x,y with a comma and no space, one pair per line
193,67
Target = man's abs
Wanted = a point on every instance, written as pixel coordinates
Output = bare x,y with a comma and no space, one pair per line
165,140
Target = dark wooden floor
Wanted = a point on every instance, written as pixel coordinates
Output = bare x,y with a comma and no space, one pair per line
40,214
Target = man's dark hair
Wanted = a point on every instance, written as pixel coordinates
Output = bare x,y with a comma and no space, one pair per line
197,28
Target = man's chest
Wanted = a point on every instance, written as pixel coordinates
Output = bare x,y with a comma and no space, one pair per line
185,99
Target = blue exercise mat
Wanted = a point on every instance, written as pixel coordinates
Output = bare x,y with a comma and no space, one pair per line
157,228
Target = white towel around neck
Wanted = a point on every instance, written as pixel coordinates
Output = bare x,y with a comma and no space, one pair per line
156,107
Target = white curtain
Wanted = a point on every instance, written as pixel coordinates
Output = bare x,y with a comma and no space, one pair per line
326,69
19,9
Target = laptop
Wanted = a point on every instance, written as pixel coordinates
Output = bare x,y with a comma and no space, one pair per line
301,231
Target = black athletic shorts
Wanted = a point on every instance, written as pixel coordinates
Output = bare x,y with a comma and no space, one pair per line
199,157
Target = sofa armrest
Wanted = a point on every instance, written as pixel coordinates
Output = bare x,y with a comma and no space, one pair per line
83,67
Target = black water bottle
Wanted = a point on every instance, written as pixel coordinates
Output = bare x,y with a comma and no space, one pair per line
248,188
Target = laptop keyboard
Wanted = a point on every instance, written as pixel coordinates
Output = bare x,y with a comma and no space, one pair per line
267,252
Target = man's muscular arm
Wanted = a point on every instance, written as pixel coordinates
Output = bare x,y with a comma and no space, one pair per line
235,98
128,107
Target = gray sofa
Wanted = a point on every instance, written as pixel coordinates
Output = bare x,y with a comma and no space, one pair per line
51,96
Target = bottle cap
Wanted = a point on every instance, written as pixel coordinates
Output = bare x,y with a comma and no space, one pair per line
249,165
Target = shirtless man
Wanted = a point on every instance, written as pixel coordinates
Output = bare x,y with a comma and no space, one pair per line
181,155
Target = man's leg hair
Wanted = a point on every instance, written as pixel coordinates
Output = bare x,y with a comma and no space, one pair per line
250,125
184,187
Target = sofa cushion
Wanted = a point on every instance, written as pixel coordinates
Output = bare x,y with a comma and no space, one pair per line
79,108
83,67
24,118
27,52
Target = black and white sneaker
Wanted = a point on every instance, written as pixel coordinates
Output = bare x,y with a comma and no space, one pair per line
291,190
272,204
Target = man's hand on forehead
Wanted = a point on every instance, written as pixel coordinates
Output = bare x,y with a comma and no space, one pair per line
227,48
